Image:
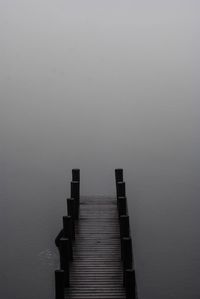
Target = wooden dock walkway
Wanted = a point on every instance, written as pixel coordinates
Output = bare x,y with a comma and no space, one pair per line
95,247
97,270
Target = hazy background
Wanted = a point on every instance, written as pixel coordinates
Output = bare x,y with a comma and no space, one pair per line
98,85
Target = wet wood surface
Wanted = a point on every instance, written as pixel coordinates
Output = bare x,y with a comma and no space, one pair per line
96,271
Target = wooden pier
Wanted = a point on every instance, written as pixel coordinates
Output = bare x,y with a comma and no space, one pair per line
95,247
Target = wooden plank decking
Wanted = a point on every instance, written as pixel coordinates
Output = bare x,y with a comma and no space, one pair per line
96,270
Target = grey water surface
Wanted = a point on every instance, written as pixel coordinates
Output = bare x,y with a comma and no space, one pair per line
99,85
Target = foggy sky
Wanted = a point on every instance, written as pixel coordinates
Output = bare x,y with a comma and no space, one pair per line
99,85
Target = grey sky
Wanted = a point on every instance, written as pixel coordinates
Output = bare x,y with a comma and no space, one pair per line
97,85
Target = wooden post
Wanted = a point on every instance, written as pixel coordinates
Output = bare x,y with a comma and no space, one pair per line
68,232
124,226
119,175
59,284
121,189
76,174
71,207
75,194
126,251
75,190
127,254
122,206
64,248
130,284
72,213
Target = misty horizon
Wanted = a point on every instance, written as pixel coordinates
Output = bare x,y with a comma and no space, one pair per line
99,85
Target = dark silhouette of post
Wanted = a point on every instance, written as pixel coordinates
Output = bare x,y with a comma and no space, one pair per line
124,231
121,189
130,284
75,194
124,226
75,190
71,207
127,254
72,212
65,256
76,174
122,206
68,232
59,284
119,175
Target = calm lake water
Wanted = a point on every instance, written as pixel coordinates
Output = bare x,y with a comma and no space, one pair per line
99,85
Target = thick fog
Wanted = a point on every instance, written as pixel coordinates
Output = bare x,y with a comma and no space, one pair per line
99,85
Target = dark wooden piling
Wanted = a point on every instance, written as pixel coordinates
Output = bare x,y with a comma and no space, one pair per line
122,206
76,174
119,175
124,226
65,256
127,252
72,212
121,189
126,255
68,232
75,190
59,284
130,284
71,208
75,194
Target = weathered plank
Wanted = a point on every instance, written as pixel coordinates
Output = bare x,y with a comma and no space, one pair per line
96,271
